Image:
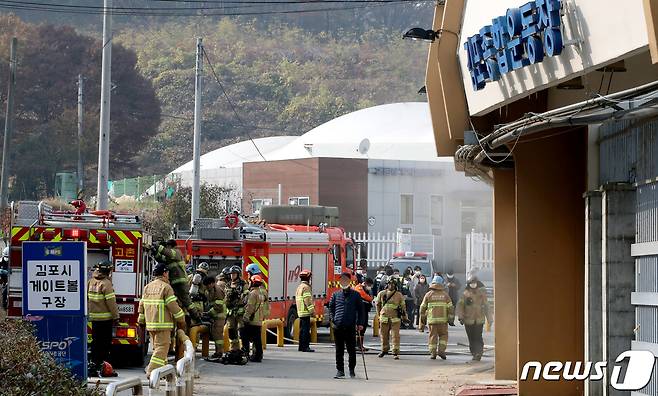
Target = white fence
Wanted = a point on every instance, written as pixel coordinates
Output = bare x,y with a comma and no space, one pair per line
380,246
479,253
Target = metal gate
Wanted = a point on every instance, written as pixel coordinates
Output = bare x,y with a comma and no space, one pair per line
629,153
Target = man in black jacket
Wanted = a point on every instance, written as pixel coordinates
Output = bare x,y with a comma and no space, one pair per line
347,316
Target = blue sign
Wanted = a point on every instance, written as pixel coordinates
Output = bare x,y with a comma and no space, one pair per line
54,278
522,37
65,339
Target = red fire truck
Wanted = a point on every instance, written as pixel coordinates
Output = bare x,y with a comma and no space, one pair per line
116,237
281,252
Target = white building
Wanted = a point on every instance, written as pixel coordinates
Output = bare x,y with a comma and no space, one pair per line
405,185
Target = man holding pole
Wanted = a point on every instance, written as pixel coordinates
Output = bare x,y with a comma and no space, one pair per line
347,317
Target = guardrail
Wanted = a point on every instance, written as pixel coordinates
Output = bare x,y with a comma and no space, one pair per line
168,373
131,383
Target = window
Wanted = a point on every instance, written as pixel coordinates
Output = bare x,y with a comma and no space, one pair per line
299,201
257,204
349,256
406,209
436,209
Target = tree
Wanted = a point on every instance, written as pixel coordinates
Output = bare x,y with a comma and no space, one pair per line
49,61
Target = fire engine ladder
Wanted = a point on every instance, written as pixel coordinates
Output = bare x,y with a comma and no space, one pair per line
32,214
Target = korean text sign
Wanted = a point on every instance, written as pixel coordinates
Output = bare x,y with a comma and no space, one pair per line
521,37
55,278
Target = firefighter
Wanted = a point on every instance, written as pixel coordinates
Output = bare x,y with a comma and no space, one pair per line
158,310
4,262
437,312
103,313
253,269
364,288
391,310
256,310
4,286
305,310
235,292
169,254
216,313
472,310
195,279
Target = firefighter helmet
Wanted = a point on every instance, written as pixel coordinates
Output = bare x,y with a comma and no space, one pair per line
104,266
236,270
203,267
253,269
256,280
5,252
305,274
4,274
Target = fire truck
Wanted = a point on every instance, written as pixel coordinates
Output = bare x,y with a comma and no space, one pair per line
281,252
119,238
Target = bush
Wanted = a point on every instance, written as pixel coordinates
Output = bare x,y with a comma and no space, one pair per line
26,370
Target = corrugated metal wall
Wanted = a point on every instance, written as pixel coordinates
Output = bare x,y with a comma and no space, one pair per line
629,153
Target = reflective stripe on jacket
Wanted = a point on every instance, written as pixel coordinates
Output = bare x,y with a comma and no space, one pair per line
304,299
158,307
175,264
101,299
257,307
473,306
436,306
388,307
216,301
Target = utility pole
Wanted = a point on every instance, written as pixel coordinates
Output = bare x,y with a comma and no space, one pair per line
9,125
196,179
81,175
102,199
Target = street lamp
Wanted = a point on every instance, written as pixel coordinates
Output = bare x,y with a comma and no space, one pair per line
422,34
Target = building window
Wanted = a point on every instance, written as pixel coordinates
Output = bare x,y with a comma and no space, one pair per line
257,204
406,209
299,201
436,209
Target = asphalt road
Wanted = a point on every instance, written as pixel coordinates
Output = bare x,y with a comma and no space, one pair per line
285,371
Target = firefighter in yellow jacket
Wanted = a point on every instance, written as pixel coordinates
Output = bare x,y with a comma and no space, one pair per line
103,312
437,312
168,253
216,312
236,299
472,311
391,310
256,310
305,310
158,310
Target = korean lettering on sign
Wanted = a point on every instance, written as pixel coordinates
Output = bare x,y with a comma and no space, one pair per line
522,37
54,278
53,285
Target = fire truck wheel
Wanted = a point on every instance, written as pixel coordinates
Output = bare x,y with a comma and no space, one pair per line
290,322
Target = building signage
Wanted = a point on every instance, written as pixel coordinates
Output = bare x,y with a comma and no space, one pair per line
521,37
55,300
54,278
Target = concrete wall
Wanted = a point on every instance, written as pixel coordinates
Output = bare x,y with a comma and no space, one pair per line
297,178
388,179
505,269
342,183
550,215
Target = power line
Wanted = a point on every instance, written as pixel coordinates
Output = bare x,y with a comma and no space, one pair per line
185,12
230,102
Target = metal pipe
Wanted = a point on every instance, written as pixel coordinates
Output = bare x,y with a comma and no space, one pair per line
168,372
580,106
133,383
640,112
